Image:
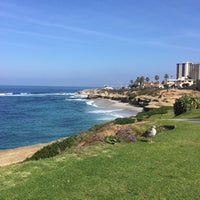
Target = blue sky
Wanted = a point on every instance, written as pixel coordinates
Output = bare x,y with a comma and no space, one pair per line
93,42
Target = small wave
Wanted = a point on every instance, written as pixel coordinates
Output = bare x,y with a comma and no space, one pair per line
68,94
104,111
91,103
107,114
75,99
106,118
22,94
77,96
14,94
6,94
110,117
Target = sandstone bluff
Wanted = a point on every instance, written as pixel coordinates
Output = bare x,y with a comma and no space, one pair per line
156,99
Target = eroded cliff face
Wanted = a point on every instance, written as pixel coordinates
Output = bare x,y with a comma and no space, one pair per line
119,95
161,98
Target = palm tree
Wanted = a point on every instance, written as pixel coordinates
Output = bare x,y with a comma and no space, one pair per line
147,79
157,78
166,77
141,81
137,81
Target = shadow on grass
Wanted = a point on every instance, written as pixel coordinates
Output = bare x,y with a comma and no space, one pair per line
166,127
144,140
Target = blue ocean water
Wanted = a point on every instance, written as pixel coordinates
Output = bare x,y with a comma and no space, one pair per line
34,114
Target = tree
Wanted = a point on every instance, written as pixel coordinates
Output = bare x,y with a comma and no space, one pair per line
141,81
157,78
132,84
137,79
147,79
166,76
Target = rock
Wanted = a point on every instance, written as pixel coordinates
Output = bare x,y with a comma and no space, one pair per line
163,98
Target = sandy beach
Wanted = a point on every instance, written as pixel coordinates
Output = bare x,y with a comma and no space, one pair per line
10,156
117,104
122,109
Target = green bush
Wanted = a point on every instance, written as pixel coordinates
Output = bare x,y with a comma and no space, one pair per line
111,139
97,127
186,103
155,111
53,149
122,121
149,91
132,96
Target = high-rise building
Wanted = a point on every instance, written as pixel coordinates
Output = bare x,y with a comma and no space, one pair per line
195,71
188,70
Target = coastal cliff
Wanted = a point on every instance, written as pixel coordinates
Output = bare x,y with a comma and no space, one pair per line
145,98
120,95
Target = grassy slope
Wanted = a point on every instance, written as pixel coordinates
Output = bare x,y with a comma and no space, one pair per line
191,114
166,169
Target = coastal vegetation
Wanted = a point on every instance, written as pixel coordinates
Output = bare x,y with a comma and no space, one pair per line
126,120
186,103
165,169
113,161
94,134
156,77
156,111
54,149
148,91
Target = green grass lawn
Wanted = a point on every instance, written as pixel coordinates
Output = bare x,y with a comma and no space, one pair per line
165,169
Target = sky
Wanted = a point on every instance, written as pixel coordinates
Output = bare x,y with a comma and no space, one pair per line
95,42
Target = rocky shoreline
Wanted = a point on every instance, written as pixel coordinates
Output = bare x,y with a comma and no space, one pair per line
106,94
155,100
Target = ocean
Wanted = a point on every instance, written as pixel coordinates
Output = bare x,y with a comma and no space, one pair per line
37,114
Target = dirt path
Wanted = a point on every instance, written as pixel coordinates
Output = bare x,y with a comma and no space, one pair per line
188,119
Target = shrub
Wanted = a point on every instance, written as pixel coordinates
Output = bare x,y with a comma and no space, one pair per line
122,121
155,111
53,149
97,127
123,135
186,103
111,139
149,91
132,96
126,135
